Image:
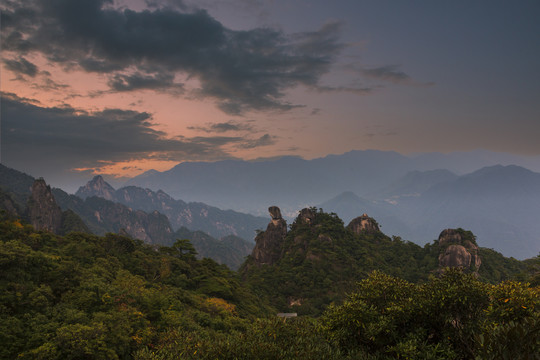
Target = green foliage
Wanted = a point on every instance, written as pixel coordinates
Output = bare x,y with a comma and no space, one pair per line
263,339
467,235
496,268
451,317
88,297
532,271
72,222
82,296
322,260
230,250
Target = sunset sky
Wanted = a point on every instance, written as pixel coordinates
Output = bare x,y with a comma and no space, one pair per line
120,87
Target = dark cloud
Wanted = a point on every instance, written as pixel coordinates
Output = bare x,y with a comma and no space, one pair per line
139,81
241,70
354,90
264,140
21,66
224,127
131,168
379,131
63,138
387,73
174,4
217,140
36,134
49,84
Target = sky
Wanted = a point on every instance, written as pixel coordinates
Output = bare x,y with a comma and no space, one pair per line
121,87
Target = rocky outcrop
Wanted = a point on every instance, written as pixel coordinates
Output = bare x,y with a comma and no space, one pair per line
42,210
269,243
307,216
363,224
96,187
458,248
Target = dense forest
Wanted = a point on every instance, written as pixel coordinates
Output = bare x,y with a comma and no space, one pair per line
81,296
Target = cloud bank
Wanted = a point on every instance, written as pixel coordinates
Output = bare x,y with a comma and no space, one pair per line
240,70
33,134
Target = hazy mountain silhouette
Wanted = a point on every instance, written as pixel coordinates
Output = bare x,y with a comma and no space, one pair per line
293,183
500,204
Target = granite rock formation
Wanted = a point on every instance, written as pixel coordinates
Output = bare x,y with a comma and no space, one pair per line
362,224
307,216
458,248
269,243
42,210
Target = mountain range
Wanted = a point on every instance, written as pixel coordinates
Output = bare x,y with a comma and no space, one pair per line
55,210
500,204
293,183
194,215
412,197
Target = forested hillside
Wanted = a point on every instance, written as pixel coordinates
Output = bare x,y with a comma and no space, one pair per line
81,296
320,260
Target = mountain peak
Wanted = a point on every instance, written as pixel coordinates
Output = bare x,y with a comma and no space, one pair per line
96,187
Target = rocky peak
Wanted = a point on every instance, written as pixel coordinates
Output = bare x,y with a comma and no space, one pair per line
268,244
96,187
458,248
307,216
43,211
362,224
275,214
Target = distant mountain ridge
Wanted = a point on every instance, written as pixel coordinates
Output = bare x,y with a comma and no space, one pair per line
500,204
195,215
295,183
412,196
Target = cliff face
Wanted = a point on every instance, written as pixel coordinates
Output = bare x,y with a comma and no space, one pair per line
269,243
363,223
42,210
458,248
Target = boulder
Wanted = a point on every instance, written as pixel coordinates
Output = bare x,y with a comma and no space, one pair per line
458,248
362,224
307,216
